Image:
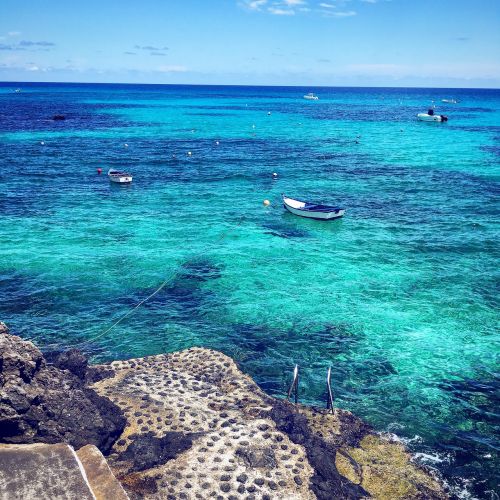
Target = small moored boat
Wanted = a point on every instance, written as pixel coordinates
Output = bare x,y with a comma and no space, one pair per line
311,97
431,117
119,177
312,210
449,101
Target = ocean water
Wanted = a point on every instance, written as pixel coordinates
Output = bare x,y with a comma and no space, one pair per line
400,297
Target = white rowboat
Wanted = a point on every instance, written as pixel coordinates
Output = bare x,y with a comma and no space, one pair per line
311,97
312,210
431,117
119,177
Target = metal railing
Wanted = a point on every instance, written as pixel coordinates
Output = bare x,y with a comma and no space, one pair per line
294,389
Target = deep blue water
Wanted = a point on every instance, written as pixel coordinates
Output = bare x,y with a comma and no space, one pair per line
400,297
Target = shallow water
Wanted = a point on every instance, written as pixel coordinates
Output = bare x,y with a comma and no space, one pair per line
400,297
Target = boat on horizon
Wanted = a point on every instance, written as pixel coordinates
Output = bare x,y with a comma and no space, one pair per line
312,210
119,177
449,101
311,97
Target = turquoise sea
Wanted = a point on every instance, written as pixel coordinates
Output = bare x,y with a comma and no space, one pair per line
400,297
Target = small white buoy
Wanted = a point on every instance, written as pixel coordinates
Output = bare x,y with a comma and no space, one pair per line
126,145
42,143
253,126
275,175
268,113
216,143
266,203
189,153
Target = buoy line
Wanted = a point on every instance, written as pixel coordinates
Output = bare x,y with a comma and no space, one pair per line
163,285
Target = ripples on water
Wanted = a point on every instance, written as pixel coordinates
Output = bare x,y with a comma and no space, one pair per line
400,297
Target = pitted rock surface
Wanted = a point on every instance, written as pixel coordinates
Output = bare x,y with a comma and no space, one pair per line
235,448
197,427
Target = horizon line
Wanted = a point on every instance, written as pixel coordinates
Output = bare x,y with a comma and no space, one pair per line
244,85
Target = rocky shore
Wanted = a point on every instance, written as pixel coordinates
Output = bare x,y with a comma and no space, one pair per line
191,425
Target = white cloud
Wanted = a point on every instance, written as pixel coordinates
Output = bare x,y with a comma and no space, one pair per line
254,4
458,70
171,69
348,13
14,33
277,11
379,69
330,13
291,7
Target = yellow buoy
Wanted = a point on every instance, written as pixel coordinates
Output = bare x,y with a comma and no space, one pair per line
267,203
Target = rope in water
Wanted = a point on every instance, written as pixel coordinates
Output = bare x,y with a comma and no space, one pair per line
157,290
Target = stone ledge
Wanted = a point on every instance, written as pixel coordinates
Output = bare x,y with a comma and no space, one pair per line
104,484
42,471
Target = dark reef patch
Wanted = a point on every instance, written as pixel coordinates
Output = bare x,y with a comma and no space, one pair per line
254,340
21,293
35,114
283,230
200,270
183,294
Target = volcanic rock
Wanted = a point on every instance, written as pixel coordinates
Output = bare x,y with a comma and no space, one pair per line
198,427
42,403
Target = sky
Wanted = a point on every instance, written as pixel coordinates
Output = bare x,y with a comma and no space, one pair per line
417,43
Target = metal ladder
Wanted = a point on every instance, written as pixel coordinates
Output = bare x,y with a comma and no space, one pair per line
294,388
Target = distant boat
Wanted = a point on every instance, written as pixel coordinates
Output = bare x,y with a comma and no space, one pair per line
312,210
431,117
17,91
119,177
449,101
311,97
